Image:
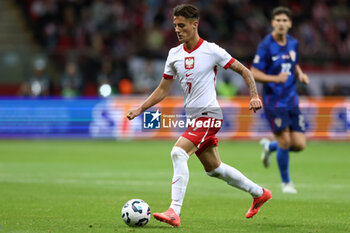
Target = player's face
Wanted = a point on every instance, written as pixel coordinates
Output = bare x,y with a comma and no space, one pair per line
281,24
185,28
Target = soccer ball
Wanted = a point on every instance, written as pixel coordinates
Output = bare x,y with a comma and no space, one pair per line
136,212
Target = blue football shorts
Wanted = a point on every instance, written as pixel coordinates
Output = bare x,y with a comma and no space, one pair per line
282,118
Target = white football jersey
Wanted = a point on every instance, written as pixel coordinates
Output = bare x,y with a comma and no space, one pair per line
196,71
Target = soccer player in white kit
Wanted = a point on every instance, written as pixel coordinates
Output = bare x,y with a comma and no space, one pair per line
194,63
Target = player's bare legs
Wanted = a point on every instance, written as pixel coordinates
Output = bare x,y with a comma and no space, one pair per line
210,158
283,138
298,141
180,154
212,164
186,145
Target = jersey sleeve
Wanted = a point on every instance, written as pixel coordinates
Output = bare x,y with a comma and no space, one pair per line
261,58
223,58
169,71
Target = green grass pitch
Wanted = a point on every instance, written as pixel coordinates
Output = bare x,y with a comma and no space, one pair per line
81,186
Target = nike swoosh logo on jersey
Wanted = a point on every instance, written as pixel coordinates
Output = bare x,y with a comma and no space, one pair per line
187,75
192,134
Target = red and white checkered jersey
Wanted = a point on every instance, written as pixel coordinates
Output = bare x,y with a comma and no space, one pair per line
196,71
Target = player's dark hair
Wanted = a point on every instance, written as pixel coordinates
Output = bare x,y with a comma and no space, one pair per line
187,11
282,10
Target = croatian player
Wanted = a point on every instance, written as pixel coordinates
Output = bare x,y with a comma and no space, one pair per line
276,65
194,63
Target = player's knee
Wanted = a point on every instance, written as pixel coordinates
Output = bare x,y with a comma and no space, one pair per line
299,146
284,143
177,153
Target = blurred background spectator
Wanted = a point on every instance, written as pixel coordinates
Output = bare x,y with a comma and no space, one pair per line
71,81
39,84
145,73
125,42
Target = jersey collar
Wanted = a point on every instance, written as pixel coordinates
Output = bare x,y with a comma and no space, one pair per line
200,42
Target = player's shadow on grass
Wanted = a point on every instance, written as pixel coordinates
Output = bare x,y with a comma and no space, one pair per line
159,227
145,228
280,226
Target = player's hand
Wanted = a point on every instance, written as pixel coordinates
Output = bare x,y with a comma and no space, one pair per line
281,78
255,104
304,78
132,114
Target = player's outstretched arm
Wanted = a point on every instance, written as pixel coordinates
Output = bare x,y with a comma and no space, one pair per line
260,76
255,103
301,75
158,95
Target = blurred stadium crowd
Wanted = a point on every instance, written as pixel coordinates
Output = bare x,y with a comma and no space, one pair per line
123,43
